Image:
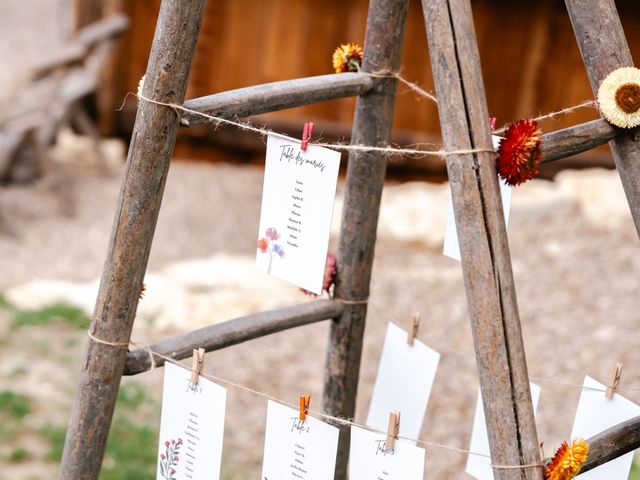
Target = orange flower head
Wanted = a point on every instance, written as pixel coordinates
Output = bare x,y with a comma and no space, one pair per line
263,244
519,152
567,461
347,58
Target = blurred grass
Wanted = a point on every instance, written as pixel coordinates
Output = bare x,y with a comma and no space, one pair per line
131,447
61,312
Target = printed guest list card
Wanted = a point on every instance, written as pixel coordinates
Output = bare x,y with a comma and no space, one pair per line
596,413
297,206
404,381
479,466
370,459
297,449
191,427
451,247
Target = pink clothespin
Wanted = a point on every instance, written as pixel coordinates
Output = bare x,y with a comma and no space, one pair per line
492,123
306,135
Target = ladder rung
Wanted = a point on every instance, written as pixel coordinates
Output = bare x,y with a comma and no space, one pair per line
269,97
576,139
232,332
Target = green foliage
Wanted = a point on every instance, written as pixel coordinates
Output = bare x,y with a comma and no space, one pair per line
4,303
55,436
58,311
14,405
19,454
635,472
131,395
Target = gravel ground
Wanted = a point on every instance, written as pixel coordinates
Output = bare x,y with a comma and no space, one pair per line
575,265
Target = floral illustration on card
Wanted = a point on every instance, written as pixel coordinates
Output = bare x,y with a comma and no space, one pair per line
169,459
268,244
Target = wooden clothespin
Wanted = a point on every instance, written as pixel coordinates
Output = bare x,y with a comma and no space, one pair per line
306,135
197,364
393,430
305,400
614,380
414,327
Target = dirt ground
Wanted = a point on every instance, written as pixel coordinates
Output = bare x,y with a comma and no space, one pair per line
575,261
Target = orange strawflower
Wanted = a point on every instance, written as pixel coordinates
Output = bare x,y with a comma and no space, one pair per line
567,461
519,152
347,58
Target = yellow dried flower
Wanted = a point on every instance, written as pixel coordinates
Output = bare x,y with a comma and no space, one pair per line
347,58
567,461
619,97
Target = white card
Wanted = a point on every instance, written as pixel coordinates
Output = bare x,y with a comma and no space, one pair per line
594,414
191,427
451,247
404,381
296,449
297,206
480,466
370,459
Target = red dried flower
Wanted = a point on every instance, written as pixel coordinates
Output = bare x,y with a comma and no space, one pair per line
347,58
330,269
519,152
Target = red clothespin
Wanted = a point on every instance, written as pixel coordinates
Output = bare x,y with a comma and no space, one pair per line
393,430
492,123
306,135
305,400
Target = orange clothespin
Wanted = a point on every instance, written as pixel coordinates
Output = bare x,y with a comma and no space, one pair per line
393,430
197,363
414,327
306,135
305,400
614,380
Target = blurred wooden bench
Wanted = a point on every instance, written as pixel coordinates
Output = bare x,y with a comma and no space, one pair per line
48,96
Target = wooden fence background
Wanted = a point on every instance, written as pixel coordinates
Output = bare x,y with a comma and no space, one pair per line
531,65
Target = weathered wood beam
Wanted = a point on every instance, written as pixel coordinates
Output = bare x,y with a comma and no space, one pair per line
604,48
105,29
232,332
270,97
484,248
363,192
612,443
143,183
576,139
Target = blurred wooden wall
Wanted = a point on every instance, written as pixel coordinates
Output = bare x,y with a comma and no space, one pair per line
530,59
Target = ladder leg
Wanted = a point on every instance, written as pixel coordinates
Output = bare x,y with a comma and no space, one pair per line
141,192
365,179
604,48
486,263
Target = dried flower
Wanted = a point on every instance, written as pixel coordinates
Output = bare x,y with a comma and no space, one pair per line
143,288
519,152
347,58
329,278
619,97
567,461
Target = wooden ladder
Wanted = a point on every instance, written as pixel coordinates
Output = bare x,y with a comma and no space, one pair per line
481,230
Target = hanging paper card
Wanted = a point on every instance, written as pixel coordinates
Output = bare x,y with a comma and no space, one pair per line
191,427
479,466
596,413
404,381
297,206
370,459
451,246
297,449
